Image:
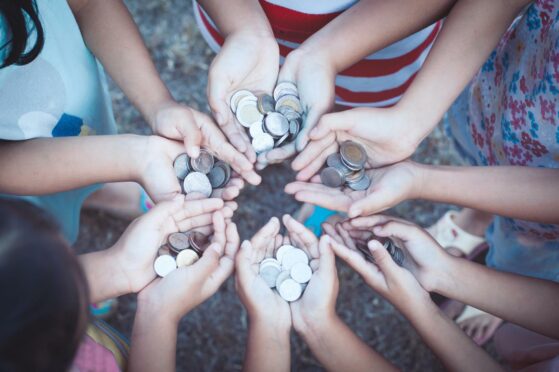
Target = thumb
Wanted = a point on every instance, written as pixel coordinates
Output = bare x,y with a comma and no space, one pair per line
192,143
310,122
382,259
330,123
217,99
242,262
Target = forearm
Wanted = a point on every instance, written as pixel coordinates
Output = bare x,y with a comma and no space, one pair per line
371,25
261,339
111,34
154,340
339,349
234,16
103,275
529,302
517,192
455,350
49,165
471,31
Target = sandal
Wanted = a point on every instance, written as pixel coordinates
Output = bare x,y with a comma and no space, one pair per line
448,234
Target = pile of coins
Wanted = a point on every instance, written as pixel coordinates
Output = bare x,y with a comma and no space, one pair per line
201,175
182,249
395,252
271,121
347,168
289,272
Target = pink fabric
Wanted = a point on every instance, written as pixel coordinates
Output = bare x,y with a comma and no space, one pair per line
524,350
93,357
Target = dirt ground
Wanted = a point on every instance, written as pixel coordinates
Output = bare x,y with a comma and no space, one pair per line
212,337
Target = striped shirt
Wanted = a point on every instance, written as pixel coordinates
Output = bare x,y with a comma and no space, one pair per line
379,80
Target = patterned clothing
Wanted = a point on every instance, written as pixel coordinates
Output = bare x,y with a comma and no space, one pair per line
378,80
62,92
509,115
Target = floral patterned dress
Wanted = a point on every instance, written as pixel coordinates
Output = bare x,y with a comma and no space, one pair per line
509,115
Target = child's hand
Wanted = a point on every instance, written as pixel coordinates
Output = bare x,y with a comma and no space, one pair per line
315,80
263,305
393,282
246,61
387,135
317,305
135,251
187,287
426,259
389,186
181,123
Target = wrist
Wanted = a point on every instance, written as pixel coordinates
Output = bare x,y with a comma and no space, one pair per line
152,310
418,123
421,174
278,330
316,326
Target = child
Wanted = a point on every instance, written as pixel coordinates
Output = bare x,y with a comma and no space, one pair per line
505,117
323,50
43,324
52,86
528,302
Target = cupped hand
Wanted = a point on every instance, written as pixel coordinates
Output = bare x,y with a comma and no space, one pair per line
315,80
263,304
186,287
246,61
318,302
136,249
389,186
386,133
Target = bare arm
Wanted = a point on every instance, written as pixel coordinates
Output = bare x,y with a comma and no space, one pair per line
338,348
517,192
112,35
48,165
262,338
371,25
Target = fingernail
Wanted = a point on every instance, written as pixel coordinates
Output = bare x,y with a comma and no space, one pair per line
372,245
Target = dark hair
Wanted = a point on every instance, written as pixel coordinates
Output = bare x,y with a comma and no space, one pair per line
43,290
16,14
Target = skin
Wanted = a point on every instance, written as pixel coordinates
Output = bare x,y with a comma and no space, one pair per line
470,32
60,164
399,286
154,337
127,60
488,189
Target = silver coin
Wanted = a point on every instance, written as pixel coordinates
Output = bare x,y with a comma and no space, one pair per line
294,128
281,277
276,124
256,130
293,256
178,241
281,251
262,143
181,167
198,241
334,160
353,155
247,113
283,87
217,177
197,182
355,176
331,177
203,163
236,98
266,103
395,252
290,290
164,265
301,272
282,140
227,172
362,184
291,101
269,273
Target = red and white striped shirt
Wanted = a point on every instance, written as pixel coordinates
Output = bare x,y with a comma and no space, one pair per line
378,80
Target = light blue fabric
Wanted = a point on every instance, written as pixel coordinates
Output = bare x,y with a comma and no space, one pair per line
63,92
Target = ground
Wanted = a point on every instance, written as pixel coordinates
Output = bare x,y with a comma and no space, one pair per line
212,337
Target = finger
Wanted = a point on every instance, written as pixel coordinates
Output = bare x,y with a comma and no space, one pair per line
218,88
279,154
403,231
307,237
233,239
374,202
219,236
191,208
265,234
383,260
216,278
355,260
162,211
192,137
330,123
207,263
195,222
372,221
310,122
337,202
243,262
327,263
315,165
331,231
311,152
347,240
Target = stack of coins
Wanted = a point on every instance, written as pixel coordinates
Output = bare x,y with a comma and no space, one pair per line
201,175
347,168
271,121
395,252
182,249
289,272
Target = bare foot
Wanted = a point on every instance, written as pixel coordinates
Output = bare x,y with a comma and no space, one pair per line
480,328
121,199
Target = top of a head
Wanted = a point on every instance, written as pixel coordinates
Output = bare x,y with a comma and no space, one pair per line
21,33
44,292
